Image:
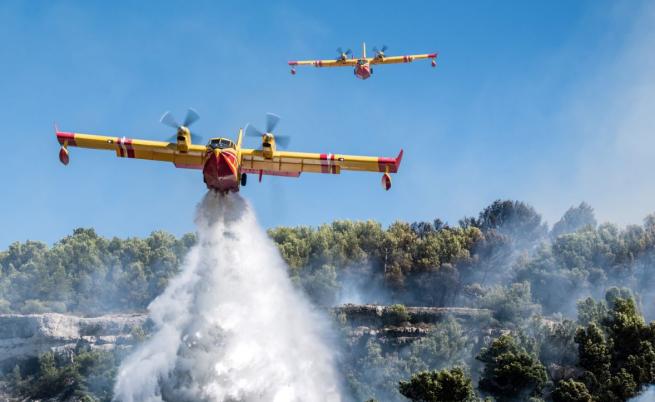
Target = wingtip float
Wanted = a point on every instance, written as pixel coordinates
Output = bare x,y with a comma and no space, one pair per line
363,66
225,164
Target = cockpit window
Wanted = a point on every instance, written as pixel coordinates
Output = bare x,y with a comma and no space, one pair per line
220,143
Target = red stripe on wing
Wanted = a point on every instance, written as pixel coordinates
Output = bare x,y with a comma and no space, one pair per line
324,164
128,147
393,164
63,136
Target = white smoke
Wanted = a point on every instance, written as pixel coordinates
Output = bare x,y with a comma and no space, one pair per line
230,326
648,395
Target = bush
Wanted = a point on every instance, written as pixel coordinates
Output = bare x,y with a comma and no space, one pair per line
438,386
509,371
396,314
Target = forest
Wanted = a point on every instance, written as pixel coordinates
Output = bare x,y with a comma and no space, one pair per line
570,305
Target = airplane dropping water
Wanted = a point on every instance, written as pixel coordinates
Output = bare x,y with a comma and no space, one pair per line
224,163
363,66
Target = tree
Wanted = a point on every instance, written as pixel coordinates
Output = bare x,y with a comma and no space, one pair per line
575,218
513,218
571,391
590,311
510,304
451,385
510,371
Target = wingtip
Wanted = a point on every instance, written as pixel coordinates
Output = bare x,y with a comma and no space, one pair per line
399,158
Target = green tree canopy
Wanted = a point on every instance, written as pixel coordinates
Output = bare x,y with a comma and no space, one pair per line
450,385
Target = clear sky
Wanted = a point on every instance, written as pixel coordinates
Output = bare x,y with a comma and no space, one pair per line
549,102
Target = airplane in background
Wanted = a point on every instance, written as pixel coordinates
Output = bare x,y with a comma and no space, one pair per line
224,163
363,66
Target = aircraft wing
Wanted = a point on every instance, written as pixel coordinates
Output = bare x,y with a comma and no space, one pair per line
133,148
324,63
291,164
402,59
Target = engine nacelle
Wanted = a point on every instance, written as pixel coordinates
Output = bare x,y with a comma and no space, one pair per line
434,63
386,181
63,155
293,71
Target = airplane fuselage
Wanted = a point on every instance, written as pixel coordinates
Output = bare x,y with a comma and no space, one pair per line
221,170
363,70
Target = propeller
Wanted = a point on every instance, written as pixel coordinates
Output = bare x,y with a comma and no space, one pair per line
191,117
380,52
342,54
271,122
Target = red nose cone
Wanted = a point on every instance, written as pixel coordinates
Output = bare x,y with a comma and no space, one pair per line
63,156
386,181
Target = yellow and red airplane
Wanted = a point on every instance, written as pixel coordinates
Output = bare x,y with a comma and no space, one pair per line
363,66
225,164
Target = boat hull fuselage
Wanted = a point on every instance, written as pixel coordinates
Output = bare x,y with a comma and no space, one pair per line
221,170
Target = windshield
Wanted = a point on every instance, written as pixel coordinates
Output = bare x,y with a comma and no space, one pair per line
221,143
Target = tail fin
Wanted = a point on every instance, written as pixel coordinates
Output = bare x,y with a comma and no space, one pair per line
364,50
239,139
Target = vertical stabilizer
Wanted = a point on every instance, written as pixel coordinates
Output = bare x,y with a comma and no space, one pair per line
239,138
363,50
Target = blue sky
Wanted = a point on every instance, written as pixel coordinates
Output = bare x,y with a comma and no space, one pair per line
543,101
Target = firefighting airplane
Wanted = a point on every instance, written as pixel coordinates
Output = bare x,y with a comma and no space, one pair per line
363,66
224,164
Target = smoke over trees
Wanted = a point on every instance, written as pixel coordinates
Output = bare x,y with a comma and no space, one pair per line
570,303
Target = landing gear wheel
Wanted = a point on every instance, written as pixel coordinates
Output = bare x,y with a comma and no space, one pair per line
244,179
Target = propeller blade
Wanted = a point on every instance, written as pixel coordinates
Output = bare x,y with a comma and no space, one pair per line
349,52
168,119
196,139
339,50
252,131
282,140
271,122
384,48
375,50
191,117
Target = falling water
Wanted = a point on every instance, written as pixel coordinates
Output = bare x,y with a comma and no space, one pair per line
230,326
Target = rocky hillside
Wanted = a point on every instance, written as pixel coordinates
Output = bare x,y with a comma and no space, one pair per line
26,336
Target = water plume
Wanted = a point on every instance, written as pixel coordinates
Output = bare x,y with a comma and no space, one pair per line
230,326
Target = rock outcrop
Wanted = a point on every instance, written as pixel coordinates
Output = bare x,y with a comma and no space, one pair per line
376,315
397,325
26,336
